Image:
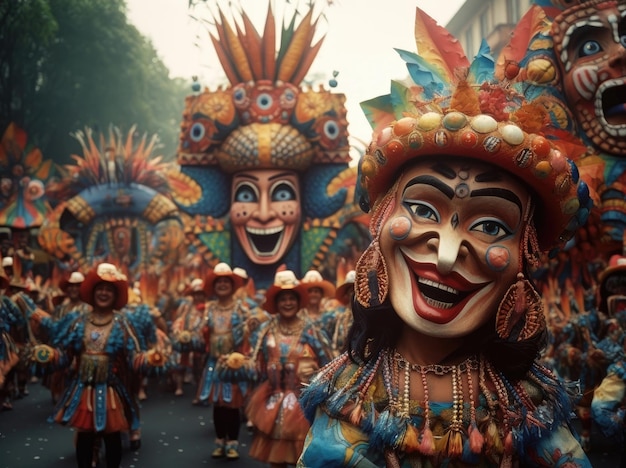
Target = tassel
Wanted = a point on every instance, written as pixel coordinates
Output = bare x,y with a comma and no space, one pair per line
411,442
508,443
356,414
89,405
455,444
427,442
476,440
492,438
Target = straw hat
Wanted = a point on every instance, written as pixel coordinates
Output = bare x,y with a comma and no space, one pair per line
221,270
341,294
75,278
284,280
105,273
313,279
196,285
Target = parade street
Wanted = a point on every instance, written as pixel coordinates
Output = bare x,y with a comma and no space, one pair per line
175,434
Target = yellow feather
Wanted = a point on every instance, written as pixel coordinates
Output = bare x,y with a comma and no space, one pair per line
237,51
291,59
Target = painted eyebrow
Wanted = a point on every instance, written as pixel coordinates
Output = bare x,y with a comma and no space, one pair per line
247,176
432,181
498,192
282,174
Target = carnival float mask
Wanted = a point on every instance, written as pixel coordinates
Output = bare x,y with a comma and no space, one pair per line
266,212
590,41
452,244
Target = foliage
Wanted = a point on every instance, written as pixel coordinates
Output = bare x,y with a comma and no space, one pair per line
68,64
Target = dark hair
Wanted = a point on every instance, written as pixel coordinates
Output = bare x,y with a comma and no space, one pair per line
379,327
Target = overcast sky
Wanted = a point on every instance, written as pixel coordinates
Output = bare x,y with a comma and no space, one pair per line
359,43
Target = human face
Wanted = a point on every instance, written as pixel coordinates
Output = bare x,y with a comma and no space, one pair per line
265,213
591,48
451,244
223,287
104,296
287,304
73,291
315,296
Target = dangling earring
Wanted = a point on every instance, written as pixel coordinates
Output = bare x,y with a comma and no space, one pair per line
372,282
520,314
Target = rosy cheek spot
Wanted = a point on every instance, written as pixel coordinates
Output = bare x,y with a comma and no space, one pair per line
399,228
498,257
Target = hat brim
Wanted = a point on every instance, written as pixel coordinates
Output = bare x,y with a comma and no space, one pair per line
327,287
341,293
302,290
90,282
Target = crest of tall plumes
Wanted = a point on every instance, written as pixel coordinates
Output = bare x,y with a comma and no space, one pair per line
111,159
246,55
23,176
454,107
266,117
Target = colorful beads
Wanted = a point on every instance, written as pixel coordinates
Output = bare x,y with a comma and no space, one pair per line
484,124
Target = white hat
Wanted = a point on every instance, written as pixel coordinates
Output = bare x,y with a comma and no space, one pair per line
240,272
76,277
7,261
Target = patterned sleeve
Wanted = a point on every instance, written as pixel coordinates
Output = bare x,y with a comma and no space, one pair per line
331,442
607,406
558,447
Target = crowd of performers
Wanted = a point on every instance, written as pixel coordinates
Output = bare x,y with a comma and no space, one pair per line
241,349
96,345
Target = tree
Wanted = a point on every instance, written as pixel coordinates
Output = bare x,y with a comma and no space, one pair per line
87,66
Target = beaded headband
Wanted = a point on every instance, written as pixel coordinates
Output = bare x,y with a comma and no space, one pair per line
458,109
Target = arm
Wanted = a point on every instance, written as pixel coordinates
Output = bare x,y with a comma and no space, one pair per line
331,442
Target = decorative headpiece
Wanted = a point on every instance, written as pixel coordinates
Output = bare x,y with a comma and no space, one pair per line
75,278
265,119
473,118
455,108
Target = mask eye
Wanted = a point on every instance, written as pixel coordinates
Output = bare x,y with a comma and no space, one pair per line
422,210
589,48
331,129
283,192
491,227
197,132
246,193
239,96
264,101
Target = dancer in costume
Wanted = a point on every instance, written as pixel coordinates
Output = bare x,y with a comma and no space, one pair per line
289,349
187,339
320,298
226,342
609,397
104,352
71,300
441,364
337,322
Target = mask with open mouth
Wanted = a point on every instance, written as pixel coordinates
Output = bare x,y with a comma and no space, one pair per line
590,45
265,213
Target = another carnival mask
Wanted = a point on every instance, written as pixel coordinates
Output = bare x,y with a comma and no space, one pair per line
265,213
591,47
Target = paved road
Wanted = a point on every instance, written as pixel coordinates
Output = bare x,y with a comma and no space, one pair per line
175,435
